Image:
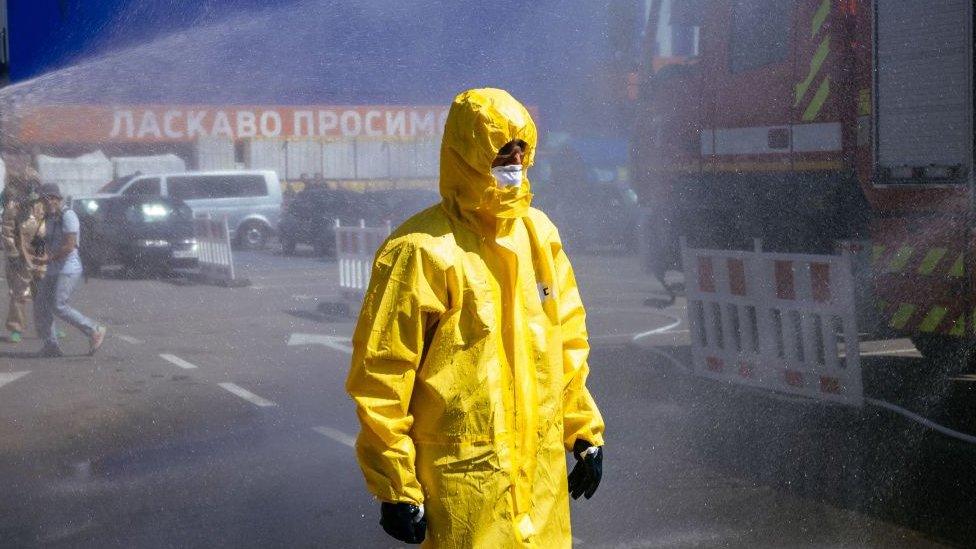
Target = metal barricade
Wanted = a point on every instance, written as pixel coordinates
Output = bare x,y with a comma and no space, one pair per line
785,322
216,257
355,250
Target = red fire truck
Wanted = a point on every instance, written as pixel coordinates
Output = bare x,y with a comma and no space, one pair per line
809,122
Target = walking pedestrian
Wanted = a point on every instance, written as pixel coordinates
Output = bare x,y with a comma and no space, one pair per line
64,271
469,358
22,224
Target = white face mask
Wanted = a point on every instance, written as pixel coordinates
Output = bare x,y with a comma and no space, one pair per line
508,176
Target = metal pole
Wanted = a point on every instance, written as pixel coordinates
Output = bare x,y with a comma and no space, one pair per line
971,187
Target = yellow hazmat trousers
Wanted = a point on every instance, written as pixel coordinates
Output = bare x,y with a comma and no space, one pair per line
470,355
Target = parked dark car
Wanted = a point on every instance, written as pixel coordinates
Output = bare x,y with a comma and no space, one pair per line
140,233
310,217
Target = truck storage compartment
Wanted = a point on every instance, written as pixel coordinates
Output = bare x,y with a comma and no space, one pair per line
923,91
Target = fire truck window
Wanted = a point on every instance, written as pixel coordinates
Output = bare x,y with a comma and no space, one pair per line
760,33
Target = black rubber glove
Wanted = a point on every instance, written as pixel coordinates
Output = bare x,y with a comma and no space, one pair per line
403,521
586,475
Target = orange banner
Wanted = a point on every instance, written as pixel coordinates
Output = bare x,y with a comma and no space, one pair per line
158,123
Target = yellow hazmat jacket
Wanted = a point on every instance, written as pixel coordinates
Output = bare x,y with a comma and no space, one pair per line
469,359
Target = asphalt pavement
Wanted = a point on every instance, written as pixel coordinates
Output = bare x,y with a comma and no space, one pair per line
217,417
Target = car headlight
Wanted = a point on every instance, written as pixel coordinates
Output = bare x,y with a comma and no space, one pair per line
154,211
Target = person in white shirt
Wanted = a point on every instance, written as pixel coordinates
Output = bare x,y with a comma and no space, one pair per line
64,271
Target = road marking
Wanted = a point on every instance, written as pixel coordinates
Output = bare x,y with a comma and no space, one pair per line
173,359
247,395
630,337
336,435
663,329
128,339
332,342
10,377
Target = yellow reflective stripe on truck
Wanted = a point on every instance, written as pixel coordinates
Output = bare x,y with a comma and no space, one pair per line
929,265
815,64
901,258
933,319
818,18
813,108
957,268
931,260
816,104
876,252
864,102
902,316
959,326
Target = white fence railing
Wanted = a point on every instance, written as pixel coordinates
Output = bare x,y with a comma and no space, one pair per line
355,248
216,257
784,322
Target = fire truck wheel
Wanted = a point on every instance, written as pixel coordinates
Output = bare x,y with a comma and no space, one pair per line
952,354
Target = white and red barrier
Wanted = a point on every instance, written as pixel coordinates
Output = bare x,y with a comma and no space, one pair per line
784,322
216,257
355,248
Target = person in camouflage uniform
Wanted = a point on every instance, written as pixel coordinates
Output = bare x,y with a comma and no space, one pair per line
21,227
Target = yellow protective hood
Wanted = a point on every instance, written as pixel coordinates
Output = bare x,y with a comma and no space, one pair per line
481,122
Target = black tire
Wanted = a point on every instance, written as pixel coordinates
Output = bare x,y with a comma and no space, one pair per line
253,235
951,354
288,245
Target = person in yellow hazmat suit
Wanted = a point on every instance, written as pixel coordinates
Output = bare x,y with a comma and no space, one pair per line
469,360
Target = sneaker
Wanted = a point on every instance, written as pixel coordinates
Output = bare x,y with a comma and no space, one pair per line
97,338
50,351
15,337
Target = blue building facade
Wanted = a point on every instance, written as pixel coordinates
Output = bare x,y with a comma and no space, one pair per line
46,35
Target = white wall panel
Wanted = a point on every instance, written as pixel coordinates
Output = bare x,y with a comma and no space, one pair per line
215,153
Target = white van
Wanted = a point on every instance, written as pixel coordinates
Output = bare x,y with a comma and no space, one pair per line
251,200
